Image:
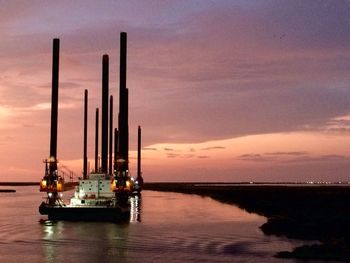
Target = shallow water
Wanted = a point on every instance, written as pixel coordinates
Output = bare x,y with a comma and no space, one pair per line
164,227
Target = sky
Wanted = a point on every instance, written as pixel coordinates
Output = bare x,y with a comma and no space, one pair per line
239,90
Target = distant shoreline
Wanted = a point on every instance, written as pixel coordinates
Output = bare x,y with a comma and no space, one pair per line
7,191
18,183
321,183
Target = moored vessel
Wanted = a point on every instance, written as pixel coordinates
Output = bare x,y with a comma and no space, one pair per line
103,195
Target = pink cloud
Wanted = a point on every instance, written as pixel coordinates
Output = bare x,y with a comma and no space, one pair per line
197,71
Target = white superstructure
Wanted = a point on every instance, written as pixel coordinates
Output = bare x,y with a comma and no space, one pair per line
94,191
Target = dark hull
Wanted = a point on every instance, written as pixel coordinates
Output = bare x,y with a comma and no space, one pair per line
111,214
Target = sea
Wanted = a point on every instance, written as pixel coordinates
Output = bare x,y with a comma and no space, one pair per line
163,227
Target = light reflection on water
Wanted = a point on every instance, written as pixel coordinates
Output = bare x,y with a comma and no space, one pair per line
163,227
135,211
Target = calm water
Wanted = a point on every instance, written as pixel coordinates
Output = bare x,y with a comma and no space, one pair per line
164,227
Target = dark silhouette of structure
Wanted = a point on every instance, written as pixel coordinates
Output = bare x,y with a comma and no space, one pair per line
54,106
96,140
110,171
115,150
85,133
52,183
104,131
139,178
123,150
103,195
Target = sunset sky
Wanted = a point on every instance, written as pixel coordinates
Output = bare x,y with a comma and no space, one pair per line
234,90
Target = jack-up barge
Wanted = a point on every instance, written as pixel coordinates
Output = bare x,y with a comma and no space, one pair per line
103,195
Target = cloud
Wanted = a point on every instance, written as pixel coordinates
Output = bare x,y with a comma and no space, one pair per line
287,153
274,157
297,157
254,158
321,158
168,149
29,125
236,69
149,149
339,124
178,155
214,148
288,78
173,155
301,21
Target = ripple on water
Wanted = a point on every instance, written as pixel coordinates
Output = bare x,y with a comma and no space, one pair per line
169,227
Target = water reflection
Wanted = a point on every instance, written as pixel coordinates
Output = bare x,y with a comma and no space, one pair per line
84,241
51,233
88,241
174,227
135,211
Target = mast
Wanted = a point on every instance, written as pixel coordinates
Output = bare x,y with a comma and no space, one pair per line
139,176
123,109
104,132
110,135
96,140
85,133
115,149
52,183
54,106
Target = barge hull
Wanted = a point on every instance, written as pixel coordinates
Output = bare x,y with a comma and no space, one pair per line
110,214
